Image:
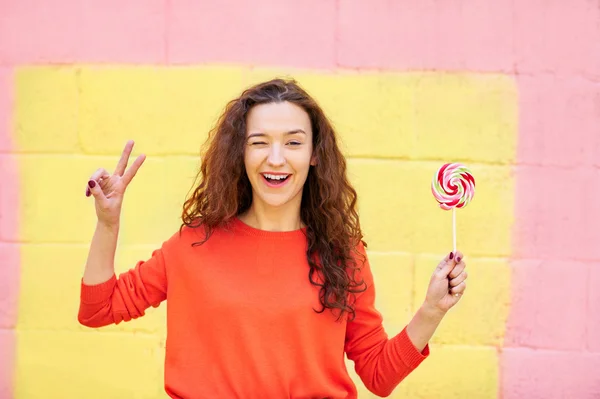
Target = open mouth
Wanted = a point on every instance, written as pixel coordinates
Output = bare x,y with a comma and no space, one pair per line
275,180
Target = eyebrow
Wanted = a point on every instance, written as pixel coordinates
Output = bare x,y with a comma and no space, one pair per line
295,131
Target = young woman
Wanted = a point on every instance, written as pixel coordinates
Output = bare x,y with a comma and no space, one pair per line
267,282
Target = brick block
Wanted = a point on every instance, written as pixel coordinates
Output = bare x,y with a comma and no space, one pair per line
559,120
123,32
169,111
82,31
46,109
393,279
468,118
43,176
6,109
593,315
49,301
426,35
553,317
547,228
95,365
573,48
39,32
399,213
480,316
9,284
539,374
9,199
7,362
196,97
274,32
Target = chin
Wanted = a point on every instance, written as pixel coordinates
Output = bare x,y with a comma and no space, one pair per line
276,201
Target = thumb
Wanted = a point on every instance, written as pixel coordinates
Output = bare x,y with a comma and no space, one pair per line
445,267
95,190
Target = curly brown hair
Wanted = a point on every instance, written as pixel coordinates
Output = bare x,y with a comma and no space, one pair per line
328,206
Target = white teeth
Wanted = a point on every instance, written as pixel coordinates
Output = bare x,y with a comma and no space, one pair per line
275,177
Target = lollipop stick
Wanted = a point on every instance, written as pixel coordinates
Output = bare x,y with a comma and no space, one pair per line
454,229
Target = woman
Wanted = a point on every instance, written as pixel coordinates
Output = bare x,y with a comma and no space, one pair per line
267,281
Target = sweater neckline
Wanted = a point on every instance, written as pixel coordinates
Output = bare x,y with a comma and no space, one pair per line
247,229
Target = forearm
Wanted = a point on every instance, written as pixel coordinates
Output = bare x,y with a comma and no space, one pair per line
423,325
100,265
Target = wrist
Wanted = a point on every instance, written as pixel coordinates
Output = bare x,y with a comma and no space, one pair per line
431,312
108,227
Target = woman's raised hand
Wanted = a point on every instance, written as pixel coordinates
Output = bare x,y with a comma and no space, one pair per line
448,283
108,190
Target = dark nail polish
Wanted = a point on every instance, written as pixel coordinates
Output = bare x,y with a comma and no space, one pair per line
451,255
87,192
92,184
458,259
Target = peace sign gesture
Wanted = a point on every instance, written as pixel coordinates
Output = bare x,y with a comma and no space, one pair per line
108,190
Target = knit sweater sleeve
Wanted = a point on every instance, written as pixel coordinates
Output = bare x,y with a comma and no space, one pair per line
127,296
381,363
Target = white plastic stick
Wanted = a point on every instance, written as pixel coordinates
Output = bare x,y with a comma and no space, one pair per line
454,229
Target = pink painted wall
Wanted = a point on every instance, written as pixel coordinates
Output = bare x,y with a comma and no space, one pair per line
551,48
9,253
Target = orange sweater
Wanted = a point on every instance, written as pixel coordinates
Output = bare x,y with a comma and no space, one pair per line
241,323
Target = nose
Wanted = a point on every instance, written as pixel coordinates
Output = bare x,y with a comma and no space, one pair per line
276,157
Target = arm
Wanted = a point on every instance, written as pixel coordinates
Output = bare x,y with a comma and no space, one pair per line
423,325
104,298
124,298
100,265
383,363
446,286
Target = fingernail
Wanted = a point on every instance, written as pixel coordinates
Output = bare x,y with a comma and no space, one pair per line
451,255
87,192
458,259
92,184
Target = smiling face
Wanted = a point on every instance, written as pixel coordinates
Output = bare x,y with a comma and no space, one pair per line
278,154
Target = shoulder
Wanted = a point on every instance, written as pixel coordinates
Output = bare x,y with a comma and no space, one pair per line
185,236
360,268
359,253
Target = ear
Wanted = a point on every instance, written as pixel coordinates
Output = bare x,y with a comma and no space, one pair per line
313,160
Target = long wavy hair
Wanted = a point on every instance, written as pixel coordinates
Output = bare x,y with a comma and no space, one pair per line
328,206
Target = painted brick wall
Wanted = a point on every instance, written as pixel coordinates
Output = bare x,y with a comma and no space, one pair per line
511,88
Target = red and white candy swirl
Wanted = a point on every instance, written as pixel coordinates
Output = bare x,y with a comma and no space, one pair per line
453,186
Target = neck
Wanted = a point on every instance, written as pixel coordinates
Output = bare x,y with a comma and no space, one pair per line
277,219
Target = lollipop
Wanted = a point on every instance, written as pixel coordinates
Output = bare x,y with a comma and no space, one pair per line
453,186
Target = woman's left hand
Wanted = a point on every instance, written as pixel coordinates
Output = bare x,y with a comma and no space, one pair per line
448,283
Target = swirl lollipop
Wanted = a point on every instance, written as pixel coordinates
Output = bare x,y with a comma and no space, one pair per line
453,186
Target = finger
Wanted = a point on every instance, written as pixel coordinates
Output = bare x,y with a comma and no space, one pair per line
131,172
96,191
459,289
457,269
459,257
100,174
120,169
444,267
459,279
97,176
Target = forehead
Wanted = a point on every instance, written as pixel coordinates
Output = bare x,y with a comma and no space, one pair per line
277,117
